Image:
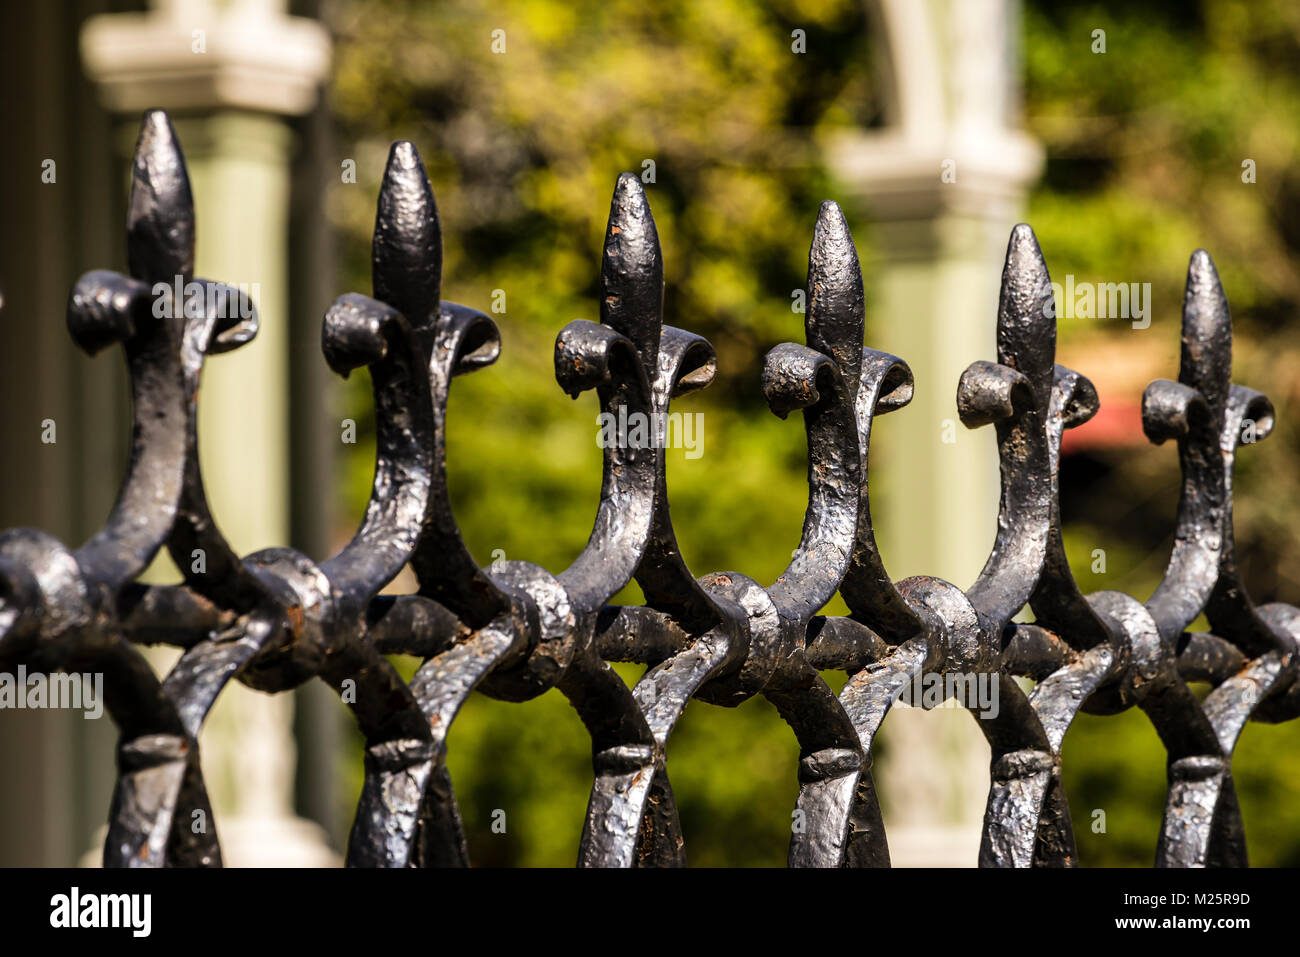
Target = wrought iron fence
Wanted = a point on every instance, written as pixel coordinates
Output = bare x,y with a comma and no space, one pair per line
276,619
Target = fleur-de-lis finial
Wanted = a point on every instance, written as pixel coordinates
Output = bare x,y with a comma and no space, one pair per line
1207,414
1192,410
165,338
620,358
1015,394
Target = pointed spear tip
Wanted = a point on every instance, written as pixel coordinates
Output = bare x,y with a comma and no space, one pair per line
1023,244
1205,304
836,307
160,206
629,212
628,183
406,251
631,269
1201,270
831,233
832,257
403,156
405,178
404,171
156,123
1206,332
629,201
831,217
157,136
1024,256
1203,283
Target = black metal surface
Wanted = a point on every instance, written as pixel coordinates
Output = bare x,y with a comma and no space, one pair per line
276,619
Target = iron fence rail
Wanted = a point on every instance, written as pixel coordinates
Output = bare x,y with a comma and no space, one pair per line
276,619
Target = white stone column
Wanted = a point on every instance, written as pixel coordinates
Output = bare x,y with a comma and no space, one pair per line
942,184
231,73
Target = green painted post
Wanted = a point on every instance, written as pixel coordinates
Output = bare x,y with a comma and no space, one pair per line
941,185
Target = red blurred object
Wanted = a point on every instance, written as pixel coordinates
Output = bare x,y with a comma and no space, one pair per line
1117,424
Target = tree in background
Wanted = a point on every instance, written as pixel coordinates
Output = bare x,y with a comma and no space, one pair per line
722,118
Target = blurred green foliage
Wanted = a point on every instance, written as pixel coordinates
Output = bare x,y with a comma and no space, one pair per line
1145,145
